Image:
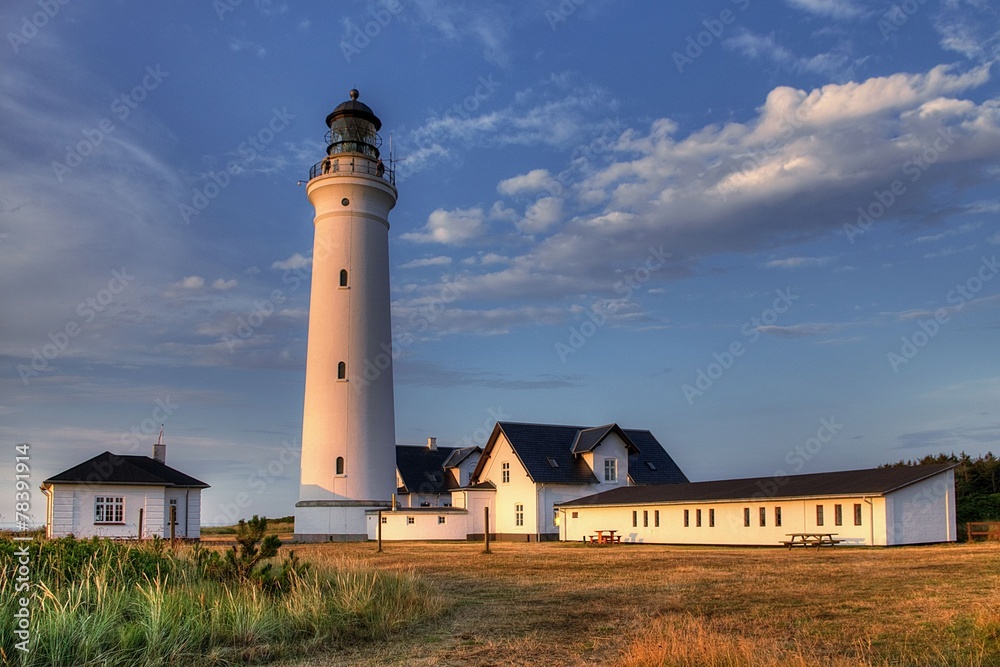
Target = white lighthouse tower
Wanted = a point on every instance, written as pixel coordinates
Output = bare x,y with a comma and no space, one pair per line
348,425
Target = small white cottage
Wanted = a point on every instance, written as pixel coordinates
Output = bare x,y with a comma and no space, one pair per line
124,497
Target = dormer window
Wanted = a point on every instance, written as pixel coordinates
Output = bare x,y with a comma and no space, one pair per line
611,471
553,462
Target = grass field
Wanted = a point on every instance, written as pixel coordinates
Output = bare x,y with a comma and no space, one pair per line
638,605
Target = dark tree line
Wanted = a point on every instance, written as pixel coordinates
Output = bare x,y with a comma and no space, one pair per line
977,484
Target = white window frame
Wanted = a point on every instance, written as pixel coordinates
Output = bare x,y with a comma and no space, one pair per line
505,472
518,514
109,509
611,471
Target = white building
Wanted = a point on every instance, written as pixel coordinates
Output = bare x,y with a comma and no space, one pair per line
523,471
128,497
426,476
881,507
348,428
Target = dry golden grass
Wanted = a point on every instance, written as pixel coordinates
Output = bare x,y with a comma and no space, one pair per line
644,605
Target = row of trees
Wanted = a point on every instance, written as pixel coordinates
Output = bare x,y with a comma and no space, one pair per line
977,484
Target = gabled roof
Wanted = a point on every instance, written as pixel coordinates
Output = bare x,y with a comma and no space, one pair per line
459,455
422,469
108,468
869,482
588,439
535,444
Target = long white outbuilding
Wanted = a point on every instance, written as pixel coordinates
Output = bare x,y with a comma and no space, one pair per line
877,507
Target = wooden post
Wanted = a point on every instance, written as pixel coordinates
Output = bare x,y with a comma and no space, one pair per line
173,524
380,531
486,529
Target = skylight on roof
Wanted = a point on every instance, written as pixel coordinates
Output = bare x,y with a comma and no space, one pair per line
553,462
652,466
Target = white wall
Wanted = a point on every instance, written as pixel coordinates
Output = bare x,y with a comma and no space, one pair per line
520,489
73,510
611,447
188,513
923,512
417,499
729,529
426,525
466,467
337,522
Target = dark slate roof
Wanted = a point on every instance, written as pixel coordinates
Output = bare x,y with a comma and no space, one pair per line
459,455
535,444
652,464
870,482
588,438
108,468
422,469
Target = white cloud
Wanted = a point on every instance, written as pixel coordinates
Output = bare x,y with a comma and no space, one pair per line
563,111
797,171
192,283
429,261
970,28
798,330
541,215
237,45
536,180
453,227
293,263
799,262
837,9
224,285
764,46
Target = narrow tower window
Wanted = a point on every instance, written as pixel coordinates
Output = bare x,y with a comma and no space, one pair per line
343,277
342,371
340,465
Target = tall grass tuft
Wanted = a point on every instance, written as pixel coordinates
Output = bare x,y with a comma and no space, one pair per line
103,603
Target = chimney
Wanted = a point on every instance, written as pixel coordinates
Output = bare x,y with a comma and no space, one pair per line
432,444
159,449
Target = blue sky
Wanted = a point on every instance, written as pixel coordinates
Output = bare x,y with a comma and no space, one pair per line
765,231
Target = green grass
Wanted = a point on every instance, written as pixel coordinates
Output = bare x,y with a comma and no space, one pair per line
109,604
279,526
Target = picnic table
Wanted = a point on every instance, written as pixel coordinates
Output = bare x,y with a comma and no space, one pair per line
811,540
604,537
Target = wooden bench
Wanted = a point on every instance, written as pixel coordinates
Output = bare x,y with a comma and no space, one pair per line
811,540
603,537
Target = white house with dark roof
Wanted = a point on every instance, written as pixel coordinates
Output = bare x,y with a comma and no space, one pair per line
880,507
521,474
125,497
425,476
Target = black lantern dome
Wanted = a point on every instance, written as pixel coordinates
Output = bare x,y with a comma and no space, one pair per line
353,129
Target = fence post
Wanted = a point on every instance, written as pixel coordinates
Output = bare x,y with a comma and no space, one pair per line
486,529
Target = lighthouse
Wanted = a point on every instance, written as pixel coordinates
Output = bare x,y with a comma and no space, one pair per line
348,423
